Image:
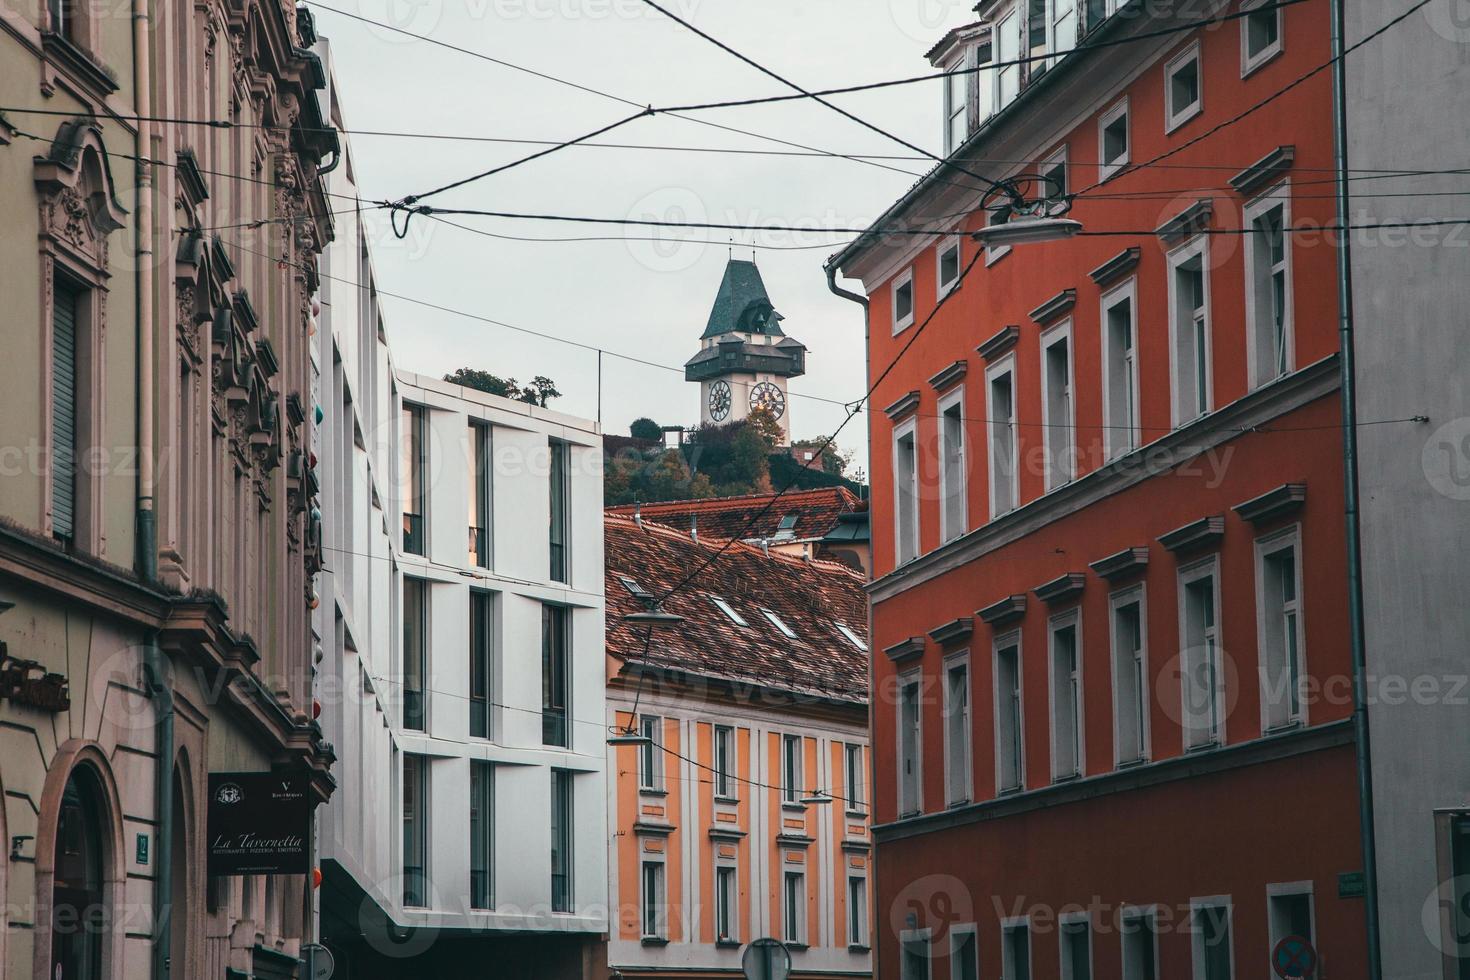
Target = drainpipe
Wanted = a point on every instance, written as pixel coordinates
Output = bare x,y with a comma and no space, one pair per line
1350,492
155,662
875,938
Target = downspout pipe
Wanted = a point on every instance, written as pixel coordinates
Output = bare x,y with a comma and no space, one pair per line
157,676
876,937
1354,563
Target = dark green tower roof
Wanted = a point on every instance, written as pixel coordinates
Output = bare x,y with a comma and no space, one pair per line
742,304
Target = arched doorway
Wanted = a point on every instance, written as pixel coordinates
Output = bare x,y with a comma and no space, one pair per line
79,914
179,914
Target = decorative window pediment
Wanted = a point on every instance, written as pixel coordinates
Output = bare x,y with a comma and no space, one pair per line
79,207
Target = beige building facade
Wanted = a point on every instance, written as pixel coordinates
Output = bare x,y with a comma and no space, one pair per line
157,533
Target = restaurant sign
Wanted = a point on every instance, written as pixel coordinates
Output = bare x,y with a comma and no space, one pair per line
259,823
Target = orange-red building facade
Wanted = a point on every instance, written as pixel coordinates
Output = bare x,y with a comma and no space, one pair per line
1181,570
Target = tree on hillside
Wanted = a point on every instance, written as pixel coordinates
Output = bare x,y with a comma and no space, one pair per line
539,391
645,428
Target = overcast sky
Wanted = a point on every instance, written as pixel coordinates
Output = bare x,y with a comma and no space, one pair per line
646,299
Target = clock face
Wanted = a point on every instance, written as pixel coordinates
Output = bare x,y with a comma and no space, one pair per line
768,396
719,401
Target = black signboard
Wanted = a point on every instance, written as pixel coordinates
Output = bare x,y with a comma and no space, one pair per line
259,823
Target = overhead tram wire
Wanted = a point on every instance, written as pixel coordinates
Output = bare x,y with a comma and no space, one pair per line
819,94
1369,172
990,184
438,307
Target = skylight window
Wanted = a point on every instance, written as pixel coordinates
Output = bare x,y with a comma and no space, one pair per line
777,622
633,587
852,637
728,610
787,528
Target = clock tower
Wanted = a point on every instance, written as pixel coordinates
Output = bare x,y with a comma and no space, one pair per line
745,359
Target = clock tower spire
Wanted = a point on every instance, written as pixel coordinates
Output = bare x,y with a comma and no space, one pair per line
745,359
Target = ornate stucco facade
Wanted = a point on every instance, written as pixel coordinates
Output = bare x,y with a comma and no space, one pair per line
157,542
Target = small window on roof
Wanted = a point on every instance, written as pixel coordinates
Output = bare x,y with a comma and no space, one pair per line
728,610
787,528
852,637
777,622
633,587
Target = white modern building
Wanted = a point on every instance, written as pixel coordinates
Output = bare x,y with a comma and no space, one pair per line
461,625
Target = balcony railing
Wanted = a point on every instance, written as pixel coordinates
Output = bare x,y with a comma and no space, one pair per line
413,533
479,547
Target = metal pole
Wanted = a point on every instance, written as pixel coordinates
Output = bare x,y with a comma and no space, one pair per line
1350,492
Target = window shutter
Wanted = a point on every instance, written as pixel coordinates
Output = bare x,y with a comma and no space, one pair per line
64,412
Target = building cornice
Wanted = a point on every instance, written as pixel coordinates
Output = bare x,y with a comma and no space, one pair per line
1270,748
1252,410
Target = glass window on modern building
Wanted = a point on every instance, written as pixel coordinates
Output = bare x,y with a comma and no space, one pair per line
555,675
414,466
560,534
561,840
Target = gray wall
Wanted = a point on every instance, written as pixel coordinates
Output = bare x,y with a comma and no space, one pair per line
1407,94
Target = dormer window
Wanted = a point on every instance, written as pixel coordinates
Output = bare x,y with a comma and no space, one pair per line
959,88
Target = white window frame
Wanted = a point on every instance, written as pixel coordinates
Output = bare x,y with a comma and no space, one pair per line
724,606
1196,938
1072,618
1058,158
731,776
959,791
948,530
1008,926
1133,913
788,872
1174,116
1005,366
651,756
660,900
730,902
1249,63
1117,443
779,623
955,934
1266,546
1107,168
793,781
1127,597
1066,969
915,937
1195,248
999,54
1004,642
856,780
951,111
859,938
1059,438
905,278
1205,568
1277,196
941,287
905,431
916,679
1290,889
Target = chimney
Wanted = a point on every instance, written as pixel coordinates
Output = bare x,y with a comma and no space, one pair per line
638,513
693,527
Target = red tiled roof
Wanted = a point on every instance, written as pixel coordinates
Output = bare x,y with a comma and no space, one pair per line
811,597
724,518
